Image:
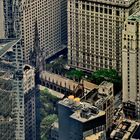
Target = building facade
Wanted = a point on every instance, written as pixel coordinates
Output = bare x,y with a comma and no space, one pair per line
47,15
31,104
19,116
103,98
11,90
10,22
95,32
63,21
130,66
2,27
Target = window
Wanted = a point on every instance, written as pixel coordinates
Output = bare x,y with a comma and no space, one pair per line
87,7
117,13
110,11
101,10
105,10
96,9
92,8
83,7
76,5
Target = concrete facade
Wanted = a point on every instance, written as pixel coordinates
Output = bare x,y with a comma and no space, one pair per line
9,15
47,15
11,64
31,104
130,66
95,32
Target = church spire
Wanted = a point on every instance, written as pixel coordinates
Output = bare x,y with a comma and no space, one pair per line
36,39
36,54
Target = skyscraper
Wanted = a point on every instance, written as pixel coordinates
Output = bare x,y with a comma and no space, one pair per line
95,32
47,15
31,100
131,66
19,116
9,15
11,90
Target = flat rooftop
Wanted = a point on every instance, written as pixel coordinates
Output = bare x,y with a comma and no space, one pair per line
6,44
124,130
95,136
77,115
83,111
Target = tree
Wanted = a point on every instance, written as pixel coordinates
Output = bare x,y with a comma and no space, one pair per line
110,75
75,75
46,125
47,112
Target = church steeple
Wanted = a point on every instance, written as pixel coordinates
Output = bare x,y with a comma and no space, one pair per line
36,39
36,54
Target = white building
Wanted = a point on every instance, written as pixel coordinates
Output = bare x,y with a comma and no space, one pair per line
131,66
95,32
47,14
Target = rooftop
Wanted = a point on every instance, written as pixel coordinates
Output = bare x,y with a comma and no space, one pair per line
55,78
6,44
83,111
95,136
124,130
87,113
135,16
65,82
88,85
121,3
99,95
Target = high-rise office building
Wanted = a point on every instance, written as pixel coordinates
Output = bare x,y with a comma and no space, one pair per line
131,66
95,32
9,15
78,120
19,111
31,96
11,90
47,15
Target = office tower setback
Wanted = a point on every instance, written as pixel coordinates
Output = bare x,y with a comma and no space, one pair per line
130,66
77,120
95,32
47,15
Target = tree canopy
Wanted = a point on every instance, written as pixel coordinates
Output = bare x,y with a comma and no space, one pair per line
75,74
110,75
